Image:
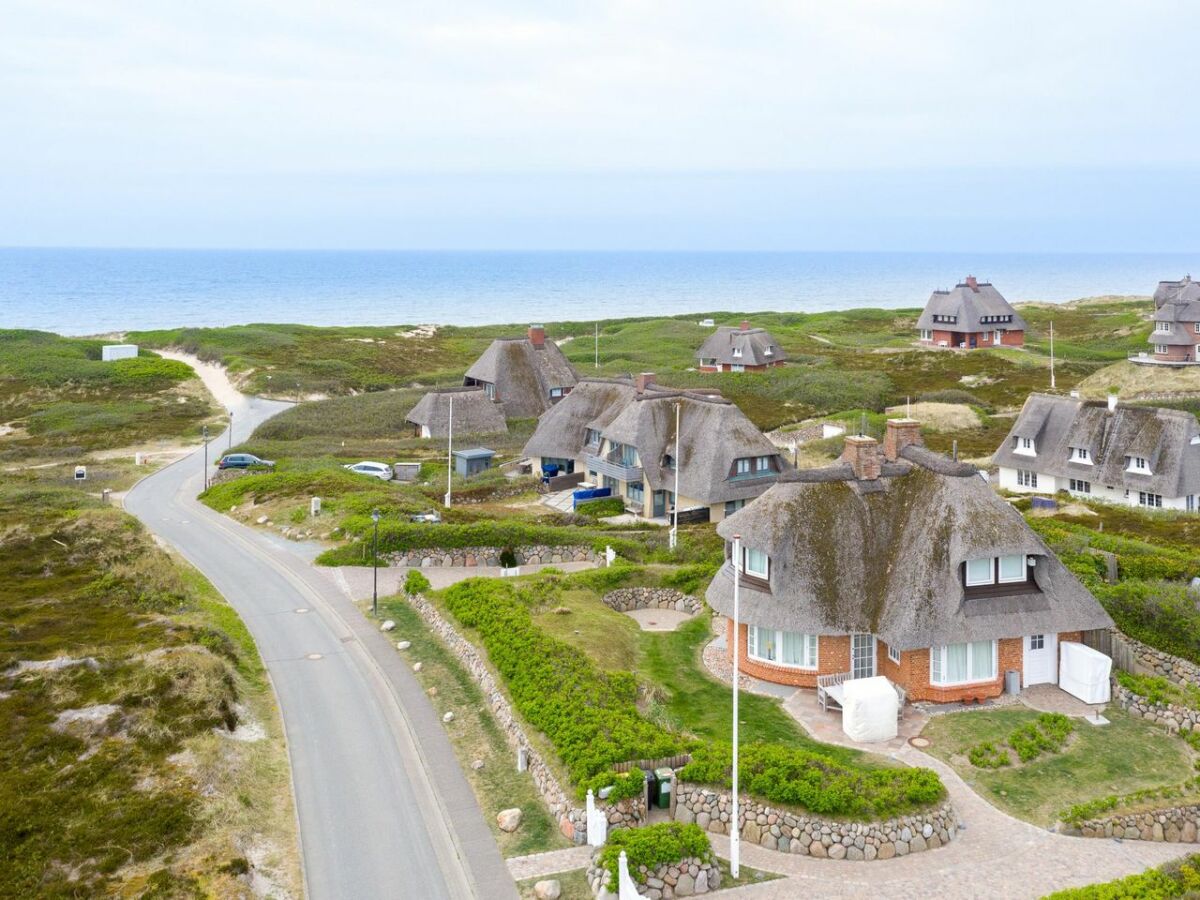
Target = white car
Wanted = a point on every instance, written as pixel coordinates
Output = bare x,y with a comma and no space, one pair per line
382,471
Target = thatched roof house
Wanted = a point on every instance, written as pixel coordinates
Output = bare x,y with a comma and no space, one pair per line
741,349
973,314
621,432
474,413
1135,455
1176,334
525,375
900,547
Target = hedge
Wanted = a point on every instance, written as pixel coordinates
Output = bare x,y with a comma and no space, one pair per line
623,786
590,716
1179,878
1160,614
653,846
817,783
602,506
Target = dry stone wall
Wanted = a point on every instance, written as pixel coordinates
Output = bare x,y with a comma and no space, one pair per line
686,878
1169,715
1156,662
1177,825
626,599
572,818
427,557
807,835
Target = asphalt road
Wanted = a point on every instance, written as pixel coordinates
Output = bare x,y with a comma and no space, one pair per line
384,809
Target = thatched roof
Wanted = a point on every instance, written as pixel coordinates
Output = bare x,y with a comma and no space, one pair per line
713,433
523,374
1056,424
968,302
884,556
754,344
474,413
1177,302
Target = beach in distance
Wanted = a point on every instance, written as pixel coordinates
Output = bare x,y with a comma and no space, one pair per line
92,291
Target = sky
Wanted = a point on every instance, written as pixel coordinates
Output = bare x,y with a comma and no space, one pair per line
694,125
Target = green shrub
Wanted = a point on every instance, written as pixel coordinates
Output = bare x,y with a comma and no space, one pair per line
1161,614
952,395
606,578
1045,735
590,716
603,506
1157,689
988,756
815,782
653,846
1180,878
415,583
691,579
624,786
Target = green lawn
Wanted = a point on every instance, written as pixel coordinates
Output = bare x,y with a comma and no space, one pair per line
1125,756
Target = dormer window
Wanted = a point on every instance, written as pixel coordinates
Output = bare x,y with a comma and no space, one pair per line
1164,327
742,466
737,353
769,351
1025,447
755,563
592,437
668,461
1080,455
986,570
1137,464
762,464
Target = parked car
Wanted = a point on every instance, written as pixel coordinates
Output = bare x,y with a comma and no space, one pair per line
243,461
379,470
430,517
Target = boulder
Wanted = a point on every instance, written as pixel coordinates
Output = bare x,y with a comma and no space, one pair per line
417,667
448,717
509,820
403,645
550,889
477,764
387,625
685,886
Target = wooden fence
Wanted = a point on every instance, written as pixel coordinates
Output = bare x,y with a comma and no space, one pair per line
1112,644
649,765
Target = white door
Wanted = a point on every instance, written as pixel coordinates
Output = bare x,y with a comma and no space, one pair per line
1040,664
862,656
997,337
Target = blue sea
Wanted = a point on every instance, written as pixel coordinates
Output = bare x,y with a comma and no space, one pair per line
92,291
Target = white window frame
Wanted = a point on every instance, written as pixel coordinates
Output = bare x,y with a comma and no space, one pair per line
1080,486
737,367
1196,327
937,656
927,334
1163,327
1027,478
1161,349
991,579
893,654
1012,579
1149,500
762,464
1026,447
1080,455
742,461
768,351
765,572
736,353
810,643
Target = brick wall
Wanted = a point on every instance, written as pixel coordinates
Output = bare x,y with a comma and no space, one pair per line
1178,352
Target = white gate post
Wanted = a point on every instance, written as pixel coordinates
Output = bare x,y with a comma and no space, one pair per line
522,759
597,822
626,886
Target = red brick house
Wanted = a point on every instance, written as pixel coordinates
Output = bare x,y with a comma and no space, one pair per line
1176,334
972,315
899,562
741,349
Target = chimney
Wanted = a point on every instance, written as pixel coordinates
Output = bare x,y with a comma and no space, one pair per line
972,283
643,381
537,335
862,453
1112,401
900,434
745,325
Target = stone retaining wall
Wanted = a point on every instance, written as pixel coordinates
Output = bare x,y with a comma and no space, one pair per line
1168,715
1156,662
685,878
1177,825
625,599
806,835
572,819
427,557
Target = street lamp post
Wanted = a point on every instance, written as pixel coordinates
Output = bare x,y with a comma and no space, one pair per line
375,564
450,452
231,429
674,536
735,828
205,433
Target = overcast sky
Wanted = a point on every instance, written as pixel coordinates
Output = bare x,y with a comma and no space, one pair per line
907,125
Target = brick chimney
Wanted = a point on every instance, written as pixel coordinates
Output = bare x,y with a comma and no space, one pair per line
862,452
643,381
900,434
745,325
537,335
972,283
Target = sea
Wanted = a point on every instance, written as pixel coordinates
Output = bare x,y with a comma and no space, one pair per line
98,291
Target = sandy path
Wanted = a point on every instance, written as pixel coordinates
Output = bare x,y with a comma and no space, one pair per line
212,375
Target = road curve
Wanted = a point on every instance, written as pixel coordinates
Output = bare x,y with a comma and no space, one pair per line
384,810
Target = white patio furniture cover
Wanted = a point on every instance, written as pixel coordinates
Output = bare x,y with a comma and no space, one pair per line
869,710
1083,672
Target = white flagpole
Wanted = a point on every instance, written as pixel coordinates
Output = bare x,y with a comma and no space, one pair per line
450,452
674,537
735,829
1051,354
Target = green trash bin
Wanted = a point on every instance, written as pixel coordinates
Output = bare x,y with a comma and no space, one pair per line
665,777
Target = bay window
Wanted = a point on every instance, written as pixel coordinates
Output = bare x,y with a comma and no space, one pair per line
955,664
783,648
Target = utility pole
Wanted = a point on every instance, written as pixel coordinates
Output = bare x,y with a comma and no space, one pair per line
735,828
597,345
231,429
674,536
1051,354
450,451
205,432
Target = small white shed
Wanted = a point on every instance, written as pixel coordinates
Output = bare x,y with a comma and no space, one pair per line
110,352
870,709
1084,672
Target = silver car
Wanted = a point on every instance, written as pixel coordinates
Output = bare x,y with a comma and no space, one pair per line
379,470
